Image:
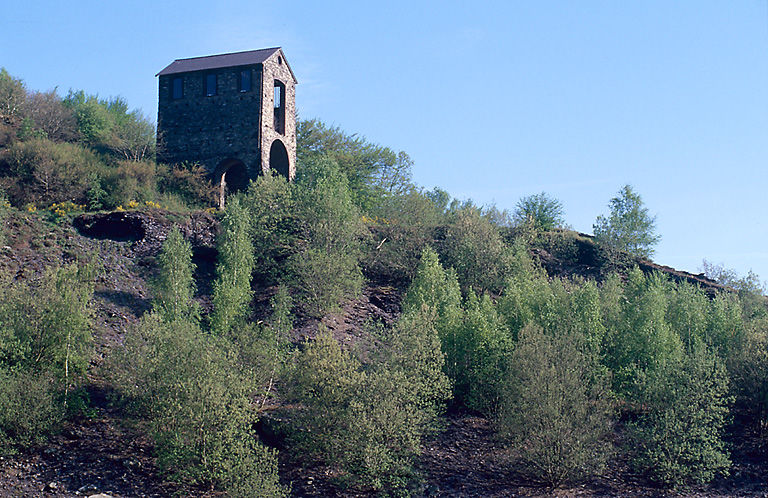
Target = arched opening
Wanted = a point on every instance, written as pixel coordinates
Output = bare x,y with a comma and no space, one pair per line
231,176
278,159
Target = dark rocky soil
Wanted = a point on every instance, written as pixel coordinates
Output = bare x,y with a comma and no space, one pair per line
108,454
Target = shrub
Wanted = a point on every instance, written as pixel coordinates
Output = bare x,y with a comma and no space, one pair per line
188,182
198,400
45,326
45,345
677,439
403,226
640,338
43,172
272,207
539,211
30,409
474,248
554,410
370,421
325,269
485,347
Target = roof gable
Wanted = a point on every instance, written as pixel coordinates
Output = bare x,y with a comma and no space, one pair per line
222,60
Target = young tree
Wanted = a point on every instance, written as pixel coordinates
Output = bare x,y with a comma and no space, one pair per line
232,289
539,211
175,286
629,227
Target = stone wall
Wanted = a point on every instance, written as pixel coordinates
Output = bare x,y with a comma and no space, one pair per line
275,68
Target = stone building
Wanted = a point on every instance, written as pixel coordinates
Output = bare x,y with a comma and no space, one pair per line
233,113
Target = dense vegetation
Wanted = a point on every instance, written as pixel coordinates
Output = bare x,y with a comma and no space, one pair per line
555,363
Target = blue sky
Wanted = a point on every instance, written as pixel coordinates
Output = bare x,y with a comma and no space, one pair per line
492,100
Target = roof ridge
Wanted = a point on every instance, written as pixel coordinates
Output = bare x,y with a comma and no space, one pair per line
227,53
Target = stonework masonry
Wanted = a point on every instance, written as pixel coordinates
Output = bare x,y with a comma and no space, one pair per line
244,129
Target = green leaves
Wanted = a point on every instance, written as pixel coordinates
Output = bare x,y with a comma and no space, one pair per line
175,286
539,211
629,227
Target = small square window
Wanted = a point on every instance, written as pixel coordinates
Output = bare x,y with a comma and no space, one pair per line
245,80
210,85
177,88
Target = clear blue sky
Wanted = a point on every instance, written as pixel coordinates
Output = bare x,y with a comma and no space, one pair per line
492,100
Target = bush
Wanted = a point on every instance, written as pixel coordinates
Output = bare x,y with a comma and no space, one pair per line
30,409
639,339
42,172
198,400
539,211
325,269
188,182
555,412
45,327
677,438
272,207
45,345
474,248
402,227
370,421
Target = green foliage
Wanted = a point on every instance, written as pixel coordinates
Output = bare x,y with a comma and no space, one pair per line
188,182
677,439
437,290
109,126
232,289
539,211
45,326
527,295
43,172
629,227
748,369
640,339
12,96
554,410
474,248
30,409
402,226
45,345
370,421
373,172
175,286
325,268
483,348
272,207
50,117
198,399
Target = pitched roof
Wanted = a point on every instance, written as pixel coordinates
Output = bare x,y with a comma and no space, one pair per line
218,61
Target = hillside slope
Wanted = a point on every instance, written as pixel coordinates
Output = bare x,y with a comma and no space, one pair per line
106,453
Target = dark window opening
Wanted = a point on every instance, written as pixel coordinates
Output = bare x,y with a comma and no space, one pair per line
278,159
177,90
279,101
210,85
245,80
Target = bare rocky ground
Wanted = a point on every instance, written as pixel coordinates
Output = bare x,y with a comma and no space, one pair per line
110,455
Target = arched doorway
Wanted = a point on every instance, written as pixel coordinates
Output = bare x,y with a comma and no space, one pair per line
231,176
278,159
